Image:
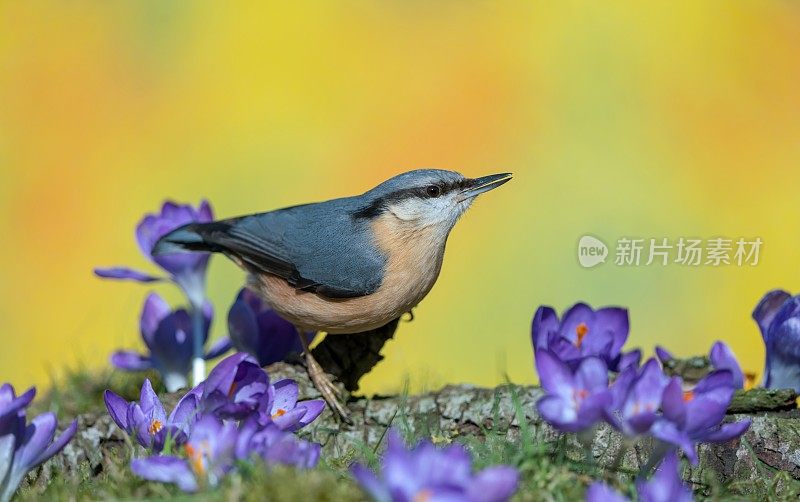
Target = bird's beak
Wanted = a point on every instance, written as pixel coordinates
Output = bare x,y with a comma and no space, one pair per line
478,186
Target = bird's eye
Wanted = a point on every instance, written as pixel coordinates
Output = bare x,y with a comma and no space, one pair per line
433,191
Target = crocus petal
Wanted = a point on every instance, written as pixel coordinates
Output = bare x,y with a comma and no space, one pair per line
285,396
554,376
185,413
154,226
150,403
204,213
766,309
726,432
140,425
10,405
117,407
494,484
166,470
592,374
313,409
722,358
172,348
783,354
11,474
667,432
242,324
666,484
288,420
672,404
128,360
125,273
601,492
219,348
59,444
38,435
544,325
707,410
7,444
621,387
399,464
154,310
663,354
641,422
222,376
645,394
629,359
715,380
370,484
591,409
559,412
615,321
258,330
578,314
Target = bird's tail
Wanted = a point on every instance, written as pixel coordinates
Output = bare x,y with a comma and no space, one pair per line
191,237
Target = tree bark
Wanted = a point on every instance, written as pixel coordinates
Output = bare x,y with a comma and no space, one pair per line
771,444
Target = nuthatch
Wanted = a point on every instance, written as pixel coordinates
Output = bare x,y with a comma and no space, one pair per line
346,265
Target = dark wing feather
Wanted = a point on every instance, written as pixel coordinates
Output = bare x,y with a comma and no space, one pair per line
315,247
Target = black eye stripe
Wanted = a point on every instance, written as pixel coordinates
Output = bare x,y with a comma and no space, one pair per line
377,206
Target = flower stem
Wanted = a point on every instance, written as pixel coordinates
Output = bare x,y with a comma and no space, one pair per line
586,439
198,363
659,452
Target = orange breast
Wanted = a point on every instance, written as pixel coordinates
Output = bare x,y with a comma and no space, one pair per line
414,259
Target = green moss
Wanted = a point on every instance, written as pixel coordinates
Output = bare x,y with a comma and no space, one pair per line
549,471
760,400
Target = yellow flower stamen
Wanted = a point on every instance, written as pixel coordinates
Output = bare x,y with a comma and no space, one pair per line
195,459
155,427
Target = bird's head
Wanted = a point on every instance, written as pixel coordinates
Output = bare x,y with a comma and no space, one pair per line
427,198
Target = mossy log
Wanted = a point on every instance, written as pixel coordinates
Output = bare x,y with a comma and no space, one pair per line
772,443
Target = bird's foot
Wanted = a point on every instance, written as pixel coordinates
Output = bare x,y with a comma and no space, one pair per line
325,387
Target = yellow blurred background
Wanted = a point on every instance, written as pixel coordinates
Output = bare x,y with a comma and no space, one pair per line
617,120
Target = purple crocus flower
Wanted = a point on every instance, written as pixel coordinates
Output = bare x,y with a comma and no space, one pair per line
428,473
209,454
25,446
168,337
721,357
285,411
187,270
258,330
601,492
575,400
214,446
584,332
275,446
147,421
778,317
666,485
695,416
236,388
636,399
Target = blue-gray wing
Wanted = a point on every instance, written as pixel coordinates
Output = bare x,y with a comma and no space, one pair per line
315,247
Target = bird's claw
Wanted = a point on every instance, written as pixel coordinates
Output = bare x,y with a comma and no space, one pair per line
326,388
